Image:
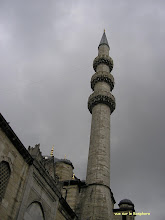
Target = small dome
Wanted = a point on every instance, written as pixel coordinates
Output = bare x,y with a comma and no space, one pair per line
56,160
126,201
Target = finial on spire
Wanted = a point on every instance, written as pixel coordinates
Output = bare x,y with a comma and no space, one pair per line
65,157
73,177
104,30
51,154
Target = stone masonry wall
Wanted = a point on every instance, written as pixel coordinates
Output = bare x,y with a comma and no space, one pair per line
37,190
19,169
98,204
63,171
71,194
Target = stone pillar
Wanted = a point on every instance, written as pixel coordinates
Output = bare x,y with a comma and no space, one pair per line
101,103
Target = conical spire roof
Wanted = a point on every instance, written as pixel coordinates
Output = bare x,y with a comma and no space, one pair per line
104,40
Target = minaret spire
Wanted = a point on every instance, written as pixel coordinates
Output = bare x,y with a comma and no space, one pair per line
104,40
101,104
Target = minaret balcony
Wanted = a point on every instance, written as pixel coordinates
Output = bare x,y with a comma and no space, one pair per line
101,97
102,77
103,59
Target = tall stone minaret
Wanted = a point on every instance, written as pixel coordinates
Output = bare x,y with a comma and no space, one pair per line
101,104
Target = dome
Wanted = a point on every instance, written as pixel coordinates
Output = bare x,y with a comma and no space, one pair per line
56,160
126,201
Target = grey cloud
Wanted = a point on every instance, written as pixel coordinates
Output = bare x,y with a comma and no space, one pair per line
46,56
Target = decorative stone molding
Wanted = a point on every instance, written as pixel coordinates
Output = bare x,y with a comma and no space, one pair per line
102,77
66,210
103,59
40,182
101,97
35,152
53,182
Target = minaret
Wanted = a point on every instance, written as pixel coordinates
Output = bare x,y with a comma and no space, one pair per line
101,104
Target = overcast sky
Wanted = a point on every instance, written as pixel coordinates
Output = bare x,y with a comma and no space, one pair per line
46,54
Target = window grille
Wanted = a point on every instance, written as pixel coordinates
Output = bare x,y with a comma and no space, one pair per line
4,177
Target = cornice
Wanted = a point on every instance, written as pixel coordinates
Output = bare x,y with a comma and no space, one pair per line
4,125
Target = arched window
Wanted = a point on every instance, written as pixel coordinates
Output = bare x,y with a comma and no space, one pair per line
4,177
34,212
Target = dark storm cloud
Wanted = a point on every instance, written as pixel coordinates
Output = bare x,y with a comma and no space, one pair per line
47,50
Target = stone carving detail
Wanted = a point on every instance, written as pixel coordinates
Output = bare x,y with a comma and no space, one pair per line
100,77
35,152
101,97
103,59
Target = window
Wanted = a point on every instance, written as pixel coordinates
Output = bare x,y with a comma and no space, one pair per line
123,217
4,177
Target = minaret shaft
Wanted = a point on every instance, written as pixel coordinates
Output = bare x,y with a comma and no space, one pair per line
101,103
98,169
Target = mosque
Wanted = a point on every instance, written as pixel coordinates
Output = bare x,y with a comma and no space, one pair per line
38,187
